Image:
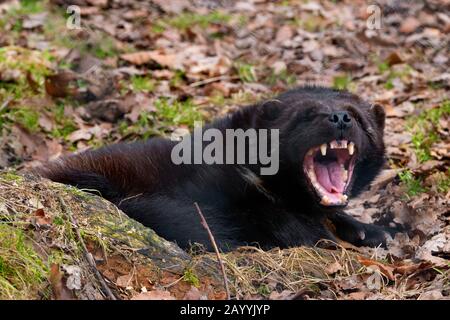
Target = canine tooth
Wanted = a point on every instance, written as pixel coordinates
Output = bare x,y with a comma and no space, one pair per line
351,148
344,175
323,149
325,200
344,198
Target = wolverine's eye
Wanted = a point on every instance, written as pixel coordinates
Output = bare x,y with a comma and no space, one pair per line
308,115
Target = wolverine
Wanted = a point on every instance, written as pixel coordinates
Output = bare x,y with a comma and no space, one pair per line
330,148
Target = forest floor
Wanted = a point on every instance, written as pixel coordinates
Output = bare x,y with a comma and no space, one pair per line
127,70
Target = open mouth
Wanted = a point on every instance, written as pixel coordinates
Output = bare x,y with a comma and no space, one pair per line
329,168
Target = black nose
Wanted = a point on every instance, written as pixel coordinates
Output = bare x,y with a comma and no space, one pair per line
341,119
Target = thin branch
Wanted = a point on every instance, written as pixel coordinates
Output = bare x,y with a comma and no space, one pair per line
87,255
5,104
213,242
211,80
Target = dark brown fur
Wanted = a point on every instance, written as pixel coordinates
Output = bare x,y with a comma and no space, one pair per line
241,206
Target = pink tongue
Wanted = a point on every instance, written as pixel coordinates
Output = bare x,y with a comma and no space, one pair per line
330,176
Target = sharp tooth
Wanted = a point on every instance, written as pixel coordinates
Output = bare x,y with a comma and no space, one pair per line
344,175
323,149
344,198
325,200
351,148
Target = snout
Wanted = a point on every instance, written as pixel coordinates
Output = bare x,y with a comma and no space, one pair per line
341,122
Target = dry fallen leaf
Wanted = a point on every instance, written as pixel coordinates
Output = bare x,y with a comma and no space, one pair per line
143,57
41,218
409,25
195,294
385,269
154,295
333,268
60,291
124,281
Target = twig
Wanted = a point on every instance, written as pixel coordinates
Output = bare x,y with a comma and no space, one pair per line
87,255
213,242
211,80
5,104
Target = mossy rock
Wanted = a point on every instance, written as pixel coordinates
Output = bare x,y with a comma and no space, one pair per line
38,224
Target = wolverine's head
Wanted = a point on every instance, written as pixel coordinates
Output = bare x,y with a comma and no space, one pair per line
331,141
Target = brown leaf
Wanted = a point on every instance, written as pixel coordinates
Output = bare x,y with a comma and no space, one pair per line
80,134
154,295
360,295
60,291
431,295
394,58
195,294
284,33
408,269
283,295
46,123
41,218
409,25
333,268
124,281
98,3
143,57
173,6
385,269
58,85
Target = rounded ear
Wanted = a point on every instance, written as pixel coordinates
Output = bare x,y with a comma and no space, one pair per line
271,109
379,114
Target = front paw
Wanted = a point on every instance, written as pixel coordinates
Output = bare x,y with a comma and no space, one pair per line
369,235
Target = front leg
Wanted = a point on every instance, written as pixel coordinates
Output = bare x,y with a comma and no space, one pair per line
360,234
292,230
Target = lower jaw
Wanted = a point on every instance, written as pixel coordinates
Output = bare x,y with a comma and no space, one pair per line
339,199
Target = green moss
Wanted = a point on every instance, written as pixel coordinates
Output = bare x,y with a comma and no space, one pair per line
11,176
167,115
187,20
27,117
246,72
177,79
383,67
284,76
177,113
64,125
139,83
99,44
30,7
401,72
23,64
412,184
443,183
190,277
264,290
342,82
424,129
22,271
